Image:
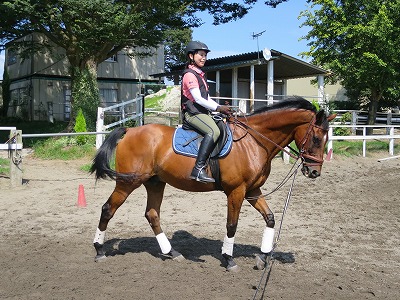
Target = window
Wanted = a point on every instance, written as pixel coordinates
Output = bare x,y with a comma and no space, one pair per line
108,97
112,58
11,57
67,104
19,102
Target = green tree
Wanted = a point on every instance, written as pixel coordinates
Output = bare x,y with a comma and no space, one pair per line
91,31
359,42
80,126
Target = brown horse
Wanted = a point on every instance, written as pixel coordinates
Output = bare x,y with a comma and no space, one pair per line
144,155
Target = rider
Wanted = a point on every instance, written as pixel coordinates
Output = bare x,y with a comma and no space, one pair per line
197,106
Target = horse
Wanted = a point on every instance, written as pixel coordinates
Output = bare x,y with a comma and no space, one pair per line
144,155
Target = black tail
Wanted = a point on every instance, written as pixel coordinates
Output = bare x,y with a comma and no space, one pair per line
101,162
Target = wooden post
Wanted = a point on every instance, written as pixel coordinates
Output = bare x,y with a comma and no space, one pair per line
15,158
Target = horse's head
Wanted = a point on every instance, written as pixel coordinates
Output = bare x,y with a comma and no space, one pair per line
311,141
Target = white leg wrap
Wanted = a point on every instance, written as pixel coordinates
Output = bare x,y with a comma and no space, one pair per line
267,240
227,246
163,242
99,237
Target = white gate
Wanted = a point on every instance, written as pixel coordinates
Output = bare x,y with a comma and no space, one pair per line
126,111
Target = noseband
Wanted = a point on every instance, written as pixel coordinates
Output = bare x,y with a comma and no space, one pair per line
307,159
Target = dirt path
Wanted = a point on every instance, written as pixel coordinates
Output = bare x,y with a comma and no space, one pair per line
340,238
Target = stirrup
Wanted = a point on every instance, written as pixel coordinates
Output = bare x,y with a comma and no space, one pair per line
201,175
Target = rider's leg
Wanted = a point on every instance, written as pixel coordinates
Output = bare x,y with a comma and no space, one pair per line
205,124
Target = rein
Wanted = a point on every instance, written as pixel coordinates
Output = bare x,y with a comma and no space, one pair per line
298,154
237,122
270,259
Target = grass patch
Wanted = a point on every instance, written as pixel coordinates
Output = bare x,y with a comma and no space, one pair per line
64,148
354,148
4,166
154,101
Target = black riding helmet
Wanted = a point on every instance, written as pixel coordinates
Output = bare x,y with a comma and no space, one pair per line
194,46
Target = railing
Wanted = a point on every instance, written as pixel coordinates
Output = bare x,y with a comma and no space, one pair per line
121,111
364,137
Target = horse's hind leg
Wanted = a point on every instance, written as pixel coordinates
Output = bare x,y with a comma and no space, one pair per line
155,192
121,191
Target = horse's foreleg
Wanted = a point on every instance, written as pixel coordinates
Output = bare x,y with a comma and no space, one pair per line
116,199
155,193
267,242
235,201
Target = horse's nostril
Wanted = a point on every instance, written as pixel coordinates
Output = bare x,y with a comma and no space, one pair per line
314,174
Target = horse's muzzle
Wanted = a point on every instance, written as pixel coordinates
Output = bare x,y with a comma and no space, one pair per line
310,172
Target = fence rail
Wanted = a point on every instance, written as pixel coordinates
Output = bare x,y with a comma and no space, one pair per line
364,137
121,110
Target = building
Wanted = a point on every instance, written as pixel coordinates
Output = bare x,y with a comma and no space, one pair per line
261,77
41,87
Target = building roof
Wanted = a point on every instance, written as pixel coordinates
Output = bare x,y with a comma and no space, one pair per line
285,66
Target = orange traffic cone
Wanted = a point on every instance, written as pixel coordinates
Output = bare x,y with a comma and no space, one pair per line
81,197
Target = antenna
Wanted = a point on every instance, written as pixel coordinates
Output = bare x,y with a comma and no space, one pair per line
256,36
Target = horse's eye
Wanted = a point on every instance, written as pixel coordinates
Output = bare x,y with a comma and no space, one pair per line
316,141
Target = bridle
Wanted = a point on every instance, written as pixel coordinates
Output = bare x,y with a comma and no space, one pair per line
307,159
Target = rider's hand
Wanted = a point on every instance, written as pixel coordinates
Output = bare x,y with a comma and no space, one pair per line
225,109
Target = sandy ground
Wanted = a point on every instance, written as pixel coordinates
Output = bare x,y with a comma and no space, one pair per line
340,238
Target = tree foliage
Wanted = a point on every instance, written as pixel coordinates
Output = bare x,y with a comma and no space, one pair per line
359,41
91,31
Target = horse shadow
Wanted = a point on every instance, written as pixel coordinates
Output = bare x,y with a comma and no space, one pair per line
191,247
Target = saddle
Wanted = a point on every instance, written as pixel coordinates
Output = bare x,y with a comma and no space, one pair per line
187,141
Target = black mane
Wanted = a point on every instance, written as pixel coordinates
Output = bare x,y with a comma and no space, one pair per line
295,102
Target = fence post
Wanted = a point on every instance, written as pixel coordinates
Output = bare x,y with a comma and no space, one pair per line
354,122
391,141
286,157
141,107
388,122
15,158
330,142
99,127
364,141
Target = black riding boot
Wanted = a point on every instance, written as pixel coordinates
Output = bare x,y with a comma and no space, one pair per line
199,171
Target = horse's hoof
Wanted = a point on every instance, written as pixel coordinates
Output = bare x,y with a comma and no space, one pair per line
231,266
179,258
175,255
100,258
234,269
261,261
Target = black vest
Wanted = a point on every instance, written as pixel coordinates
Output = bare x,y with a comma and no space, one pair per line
189,105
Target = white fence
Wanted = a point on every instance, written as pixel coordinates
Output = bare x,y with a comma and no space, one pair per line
11,144
125,111
391,137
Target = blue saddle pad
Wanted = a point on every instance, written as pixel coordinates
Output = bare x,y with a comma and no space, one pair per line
187,142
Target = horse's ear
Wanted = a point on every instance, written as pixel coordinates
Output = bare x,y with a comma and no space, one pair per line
331,117
320,117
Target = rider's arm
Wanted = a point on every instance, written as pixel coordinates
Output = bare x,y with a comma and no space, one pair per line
207,103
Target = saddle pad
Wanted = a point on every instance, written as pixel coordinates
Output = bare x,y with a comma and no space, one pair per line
187,142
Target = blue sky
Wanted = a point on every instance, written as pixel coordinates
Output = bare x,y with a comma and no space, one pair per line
282,32
281,25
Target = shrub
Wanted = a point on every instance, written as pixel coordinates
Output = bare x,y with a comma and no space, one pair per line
80,126
342,131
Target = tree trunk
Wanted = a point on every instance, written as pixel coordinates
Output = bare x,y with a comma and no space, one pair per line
373,108
85,93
